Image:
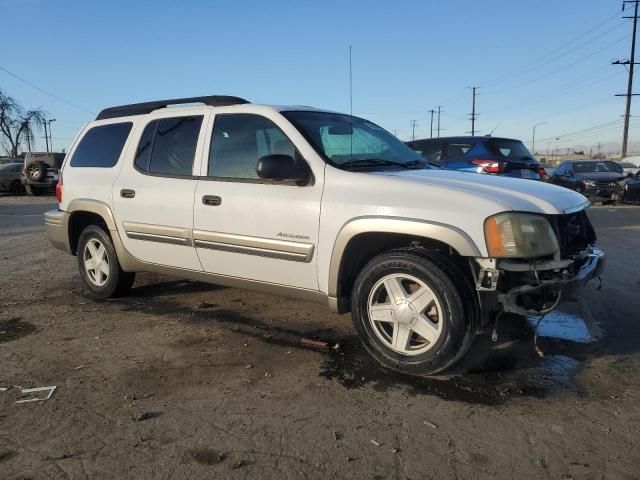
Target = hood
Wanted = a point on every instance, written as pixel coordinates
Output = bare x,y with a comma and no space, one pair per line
513,193
601,176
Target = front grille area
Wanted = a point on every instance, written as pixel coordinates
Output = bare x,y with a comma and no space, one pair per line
575,232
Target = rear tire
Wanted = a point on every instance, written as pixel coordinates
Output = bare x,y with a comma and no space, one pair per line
441,320
99,267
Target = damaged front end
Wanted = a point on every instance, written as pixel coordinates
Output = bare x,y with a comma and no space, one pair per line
534,286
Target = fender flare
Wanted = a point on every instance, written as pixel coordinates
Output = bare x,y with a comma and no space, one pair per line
452,236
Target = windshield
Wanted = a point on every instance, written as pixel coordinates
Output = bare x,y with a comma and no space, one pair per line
595,167
349,142
512,149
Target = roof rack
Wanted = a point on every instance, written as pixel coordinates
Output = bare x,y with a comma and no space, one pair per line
148,107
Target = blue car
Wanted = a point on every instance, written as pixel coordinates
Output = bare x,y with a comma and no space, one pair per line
490,155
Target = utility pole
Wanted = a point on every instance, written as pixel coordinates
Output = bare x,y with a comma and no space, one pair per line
439,112
46,136
533,137
432,111
631,63
473,110
49,122
413,129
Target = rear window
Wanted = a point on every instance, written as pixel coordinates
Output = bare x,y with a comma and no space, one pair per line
101,146
511,149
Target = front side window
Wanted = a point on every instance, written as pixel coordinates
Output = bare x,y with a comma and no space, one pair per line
168,146
101,146
596,167
349,142
238,142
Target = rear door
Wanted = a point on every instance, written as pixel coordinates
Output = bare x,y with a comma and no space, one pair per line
154,194
250,228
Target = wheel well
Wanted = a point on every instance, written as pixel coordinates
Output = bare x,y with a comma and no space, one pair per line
365,246
78,222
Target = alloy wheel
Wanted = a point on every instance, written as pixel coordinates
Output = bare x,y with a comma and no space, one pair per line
405,314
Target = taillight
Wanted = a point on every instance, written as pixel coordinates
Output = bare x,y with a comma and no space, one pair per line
59,189
541,172
489,166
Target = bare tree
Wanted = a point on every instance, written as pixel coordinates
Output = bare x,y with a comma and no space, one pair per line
17,125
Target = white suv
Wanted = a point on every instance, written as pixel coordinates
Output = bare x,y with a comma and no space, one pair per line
320,206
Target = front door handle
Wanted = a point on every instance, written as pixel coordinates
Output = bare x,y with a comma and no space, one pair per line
127,193
211,200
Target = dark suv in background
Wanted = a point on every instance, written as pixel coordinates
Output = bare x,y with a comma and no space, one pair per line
40,173
498,156
592,178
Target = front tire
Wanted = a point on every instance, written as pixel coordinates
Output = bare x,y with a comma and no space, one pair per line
414,311
99,268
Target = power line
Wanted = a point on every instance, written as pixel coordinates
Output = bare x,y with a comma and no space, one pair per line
549,74
46,92
512,72
554,137
439,107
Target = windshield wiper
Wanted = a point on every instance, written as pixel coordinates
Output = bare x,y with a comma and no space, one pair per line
374,162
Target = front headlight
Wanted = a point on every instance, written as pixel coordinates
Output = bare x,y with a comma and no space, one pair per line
519,235
590,183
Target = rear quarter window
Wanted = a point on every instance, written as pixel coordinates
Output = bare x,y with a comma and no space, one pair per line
101,146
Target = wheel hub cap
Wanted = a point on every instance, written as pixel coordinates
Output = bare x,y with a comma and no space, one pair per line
405,314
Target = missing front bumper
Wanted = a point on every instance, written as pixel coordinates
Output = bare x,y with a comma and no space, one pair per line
519,299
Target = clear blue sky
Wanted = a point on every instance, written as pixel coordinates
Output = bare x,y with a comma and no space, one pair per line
408,56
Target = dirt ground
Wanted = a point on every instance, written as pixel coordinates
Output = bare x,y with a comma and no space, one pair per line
229,392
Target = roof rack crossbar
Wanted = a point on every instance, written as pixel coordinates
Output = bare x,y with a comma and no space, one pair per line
148,107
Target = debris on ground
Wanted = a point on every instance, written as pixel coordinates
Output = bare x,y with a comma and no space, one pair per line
338,435
430,424
314,344
204,305
377,444
248,366
240,464
140,416
395,450
27,391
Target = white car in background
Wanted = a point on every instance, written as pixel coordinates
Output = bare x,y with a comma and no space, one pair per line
630,165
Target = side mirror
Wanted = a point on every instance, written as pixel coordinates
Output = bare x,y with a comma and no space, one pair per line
282,167
630,175
568,173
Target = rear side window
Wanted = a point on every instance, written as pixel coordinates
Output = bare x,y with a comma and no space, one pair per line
168,146
458,149
101,146
430,151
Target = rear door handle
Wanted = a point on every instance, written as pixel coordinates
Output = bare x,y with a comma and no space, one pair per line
127,193
211,200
